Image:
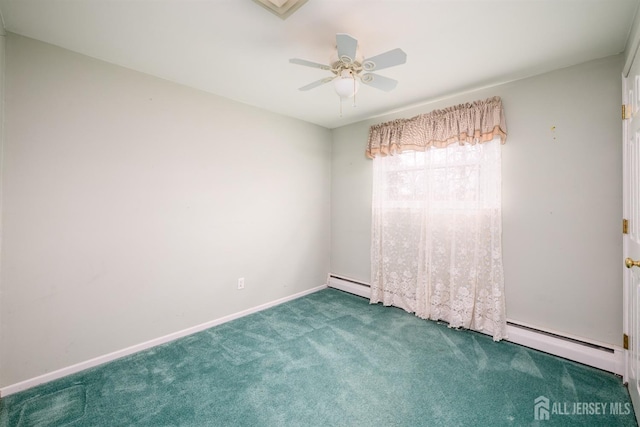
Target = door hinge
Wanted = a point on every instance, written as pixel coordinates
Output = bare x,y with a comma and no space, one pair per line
624,111
625,226
625,341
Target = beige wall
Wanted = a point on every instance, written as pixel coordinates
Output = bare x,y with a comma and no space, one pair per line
562,198
131,206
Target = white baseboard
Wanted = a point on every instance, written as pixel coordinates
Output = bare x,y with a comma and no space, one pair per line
602,356
78,367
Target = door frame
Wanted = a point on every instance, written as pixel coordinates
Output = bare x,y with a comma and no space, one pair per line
630,102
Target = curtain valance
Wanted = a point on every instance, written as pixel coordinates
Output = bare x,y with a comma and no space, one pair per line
475,122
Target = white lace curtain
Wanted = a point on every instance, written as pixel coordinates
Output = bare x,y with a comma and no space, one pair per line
437,229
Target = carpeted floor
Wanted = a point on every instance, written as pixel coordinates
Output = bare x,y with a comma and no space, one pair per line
328,359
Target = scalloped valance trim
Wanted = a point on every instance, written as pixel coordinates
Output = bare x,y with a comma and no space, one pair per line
473,123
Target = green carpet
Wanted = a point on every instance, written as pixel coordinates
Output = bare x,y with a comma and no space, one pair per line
327,359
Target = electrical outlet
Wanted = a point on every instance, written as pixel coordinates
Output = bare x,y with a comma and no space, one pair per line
241,283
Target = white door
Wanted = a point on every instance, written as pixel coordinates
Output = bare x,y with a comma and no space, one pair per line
631,240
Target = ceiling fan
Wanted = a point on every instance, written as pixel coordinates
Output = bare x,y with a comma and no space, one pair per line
349,68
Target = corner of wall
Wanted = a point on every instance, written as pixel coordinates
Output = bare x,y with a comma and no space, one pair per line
633,40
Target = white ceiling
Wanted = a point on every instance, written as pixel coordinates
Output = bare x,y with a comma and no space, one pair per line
239,50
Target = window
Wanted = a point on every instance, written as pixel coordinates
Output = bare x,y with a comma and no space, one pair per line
436,235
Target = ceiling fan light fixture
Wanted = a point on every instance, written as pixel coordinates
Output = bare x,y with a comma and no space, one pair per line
346,85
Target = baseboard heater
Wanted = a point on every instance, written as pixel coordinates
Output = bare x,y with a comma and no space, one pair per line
607,358
562,337
349,285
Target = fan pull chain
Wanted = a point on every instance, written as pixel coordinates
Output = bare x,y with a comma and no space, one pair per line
354,90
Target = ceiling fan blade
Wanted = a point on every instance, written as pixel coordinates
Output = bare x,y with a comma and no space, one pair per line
379,82
317,83
347,47
385,60
309,63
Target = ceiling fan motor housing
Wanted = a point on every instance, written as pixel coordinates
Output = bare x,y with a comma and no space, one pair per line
339,64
